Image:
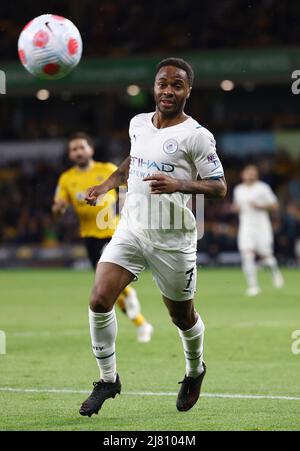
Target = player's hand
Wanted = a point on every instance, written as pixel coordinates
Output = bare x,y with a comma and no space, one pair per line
93,193
256,206
162,184
59,207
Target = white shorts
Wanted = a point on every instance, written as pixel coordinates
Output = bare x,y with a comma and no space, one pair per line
260,242
174,272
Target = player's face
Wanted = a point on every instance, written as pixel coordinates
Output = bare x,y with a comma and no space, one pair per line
250,174
80,152
171,89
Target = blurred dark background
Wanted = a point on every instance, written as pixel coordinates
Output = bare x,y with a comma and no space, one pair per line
243,53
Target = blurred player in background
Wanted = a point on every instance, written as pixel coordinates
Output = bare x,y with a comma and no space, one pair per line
168,151
71,189
254,201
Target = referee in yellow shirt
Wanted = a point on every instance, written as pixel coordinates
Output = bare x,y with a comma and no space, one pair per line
71,190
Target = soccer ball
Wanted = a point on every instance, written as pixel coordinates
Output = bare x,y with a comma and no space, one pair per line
50,46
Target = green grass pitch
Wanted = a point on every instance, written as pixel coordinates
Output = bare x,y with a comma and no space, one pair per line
248,345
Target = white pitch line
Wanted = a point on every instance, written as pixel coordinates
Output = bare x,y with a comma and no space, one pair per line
141,393
47,333
84,331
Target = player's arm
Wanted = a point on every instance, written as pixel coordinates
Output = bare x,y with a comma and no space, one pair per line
235,206
119,177
213,188
61,198
59,207
202,154
267,201
269,208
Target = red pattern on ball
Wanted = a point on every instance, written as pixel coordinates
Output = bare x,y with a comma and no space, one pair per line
27,25
51,69
22,56
40,39
72,46
58,17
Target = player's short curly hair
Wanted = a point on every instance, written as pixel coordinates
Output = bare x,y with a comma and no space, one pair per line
82,135
181,64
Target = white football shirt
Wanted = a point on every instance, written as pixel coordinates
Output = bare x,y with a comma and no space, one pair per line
181,151
251,219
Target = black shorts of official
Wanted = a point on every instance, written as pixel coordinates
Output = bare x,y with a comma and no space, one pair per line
94,248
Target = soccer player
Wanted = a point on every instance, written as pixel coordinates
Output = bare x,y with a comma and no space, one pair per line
168,150
71,189
254,200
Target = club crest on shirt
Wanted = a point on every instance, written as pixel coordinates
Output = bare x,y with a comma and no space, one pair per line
170,146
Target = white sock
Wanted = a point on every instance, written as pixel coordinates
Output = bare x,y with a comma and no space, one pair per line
249,268
132,304
103,329
271,263
192,341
